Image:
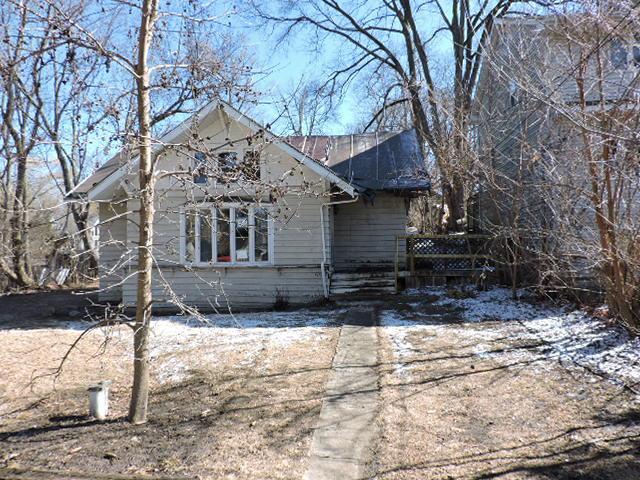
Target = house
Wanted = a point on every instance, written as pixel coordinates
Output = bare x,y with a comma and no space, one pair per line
544,78
247,219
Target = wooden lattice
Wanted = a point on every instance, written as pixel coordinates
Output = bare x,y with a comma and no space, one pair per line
441,245
444,255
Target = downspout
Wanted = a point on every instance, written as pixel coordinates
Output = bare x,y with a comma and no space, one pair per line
323,265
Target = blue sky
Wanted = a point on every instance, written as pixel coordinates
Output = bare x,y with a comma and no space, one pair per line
290,61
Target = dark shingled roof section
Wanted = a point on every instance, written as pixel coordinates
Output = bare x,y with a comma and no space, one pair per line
374,161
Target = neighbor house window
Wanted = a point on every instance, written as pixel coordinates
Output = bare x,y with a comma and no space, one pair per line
619,54
231,234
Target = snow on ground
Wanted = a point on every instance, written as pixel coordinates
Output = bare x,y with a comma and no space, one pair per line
398,330
570,337
244,335
495,304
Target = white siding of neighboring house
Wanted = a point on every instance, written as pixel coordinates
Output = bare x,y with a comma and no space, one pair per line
365,233
111,250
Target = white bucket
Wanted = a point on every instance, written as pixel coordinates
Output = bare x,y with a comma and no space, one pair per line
99,400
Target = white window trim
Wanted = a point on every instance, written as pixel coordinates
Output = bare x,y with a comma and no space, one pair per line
232,235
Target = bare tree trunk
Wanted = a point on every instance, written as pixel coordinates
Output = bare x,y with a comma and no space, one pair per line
18,226
140,390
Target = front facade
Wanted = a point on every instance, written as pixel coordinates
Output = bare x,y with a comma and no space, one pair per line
243,219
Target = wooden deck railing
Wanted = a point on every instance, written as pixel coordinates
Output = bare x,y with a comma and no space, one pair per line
441,254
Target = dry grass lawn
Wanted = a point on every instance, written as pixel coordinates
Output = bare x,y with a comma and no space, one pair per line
227,402
469,401
458,400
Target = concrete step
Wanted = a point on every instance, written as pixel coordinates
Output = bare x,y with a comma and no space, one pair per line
361,283
361,276
362,290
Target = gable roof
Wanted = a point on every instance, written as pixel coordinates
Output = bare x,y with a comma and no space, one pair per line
117,167
375,161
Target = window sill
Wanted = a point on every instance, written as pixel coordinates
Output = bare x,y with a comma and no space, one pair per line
210,266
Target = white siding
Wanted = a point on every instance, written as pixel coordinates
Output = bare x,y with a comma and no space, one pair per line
365,233
295,274
112,249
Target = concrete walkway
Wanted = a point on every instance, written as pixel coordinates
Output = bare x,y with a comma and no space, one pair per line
346,430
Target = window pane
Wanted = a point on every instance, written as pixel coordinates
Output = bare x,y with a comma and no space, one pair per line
228,164
251,165
222,235
618,54
190,236
261,235
200,171
242,235
205,236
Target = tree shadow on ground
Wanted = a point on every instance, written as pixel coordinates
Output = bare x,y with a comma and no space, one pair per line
220,418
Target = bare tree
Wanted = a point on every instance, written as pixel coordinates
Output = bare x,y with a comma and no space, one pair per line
168,80
20,133
391,35
306,108
561,152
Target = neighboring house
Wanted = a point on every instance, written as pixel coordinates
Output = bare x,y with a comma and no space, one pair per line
247,219
528,113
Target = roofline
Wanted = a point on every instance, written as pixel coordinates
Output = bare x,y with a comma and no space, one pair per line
306,160
169,137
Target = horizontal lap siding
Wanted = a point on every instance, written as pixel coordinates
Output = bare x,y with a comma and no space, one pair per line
295,273
365,234
112,248
240,287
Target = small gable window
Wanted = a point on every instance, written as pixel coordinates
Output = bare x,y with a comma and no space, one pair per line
228,165
200,170
234,167
251,165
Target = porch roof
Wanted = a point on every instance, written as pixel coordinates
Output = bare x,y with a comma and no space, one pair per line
375,161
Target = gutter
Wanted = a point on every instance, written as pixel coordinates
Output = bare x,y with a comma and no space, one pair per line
323,265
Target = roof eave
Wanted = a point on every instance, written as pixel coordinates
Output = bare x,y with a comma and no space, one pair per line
169,137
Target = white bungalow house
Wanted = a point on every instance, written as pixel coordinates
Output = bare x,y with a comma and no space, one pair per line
248,219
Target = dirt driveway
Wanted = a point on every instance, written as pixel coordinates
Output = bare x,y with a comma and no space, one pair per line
465,392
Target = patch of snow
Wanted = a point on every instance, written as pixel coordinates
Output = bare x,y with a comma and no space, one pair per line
578,338
172,371
495,304
399,329
571,338
244,335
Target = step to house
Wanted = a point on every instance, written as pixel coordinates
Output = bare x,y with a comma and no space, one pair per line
357,283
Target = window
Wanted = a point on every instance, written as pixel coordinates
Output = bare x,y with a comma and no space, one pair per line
618,54
232,168
234,234
228,165
200,170
251,165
